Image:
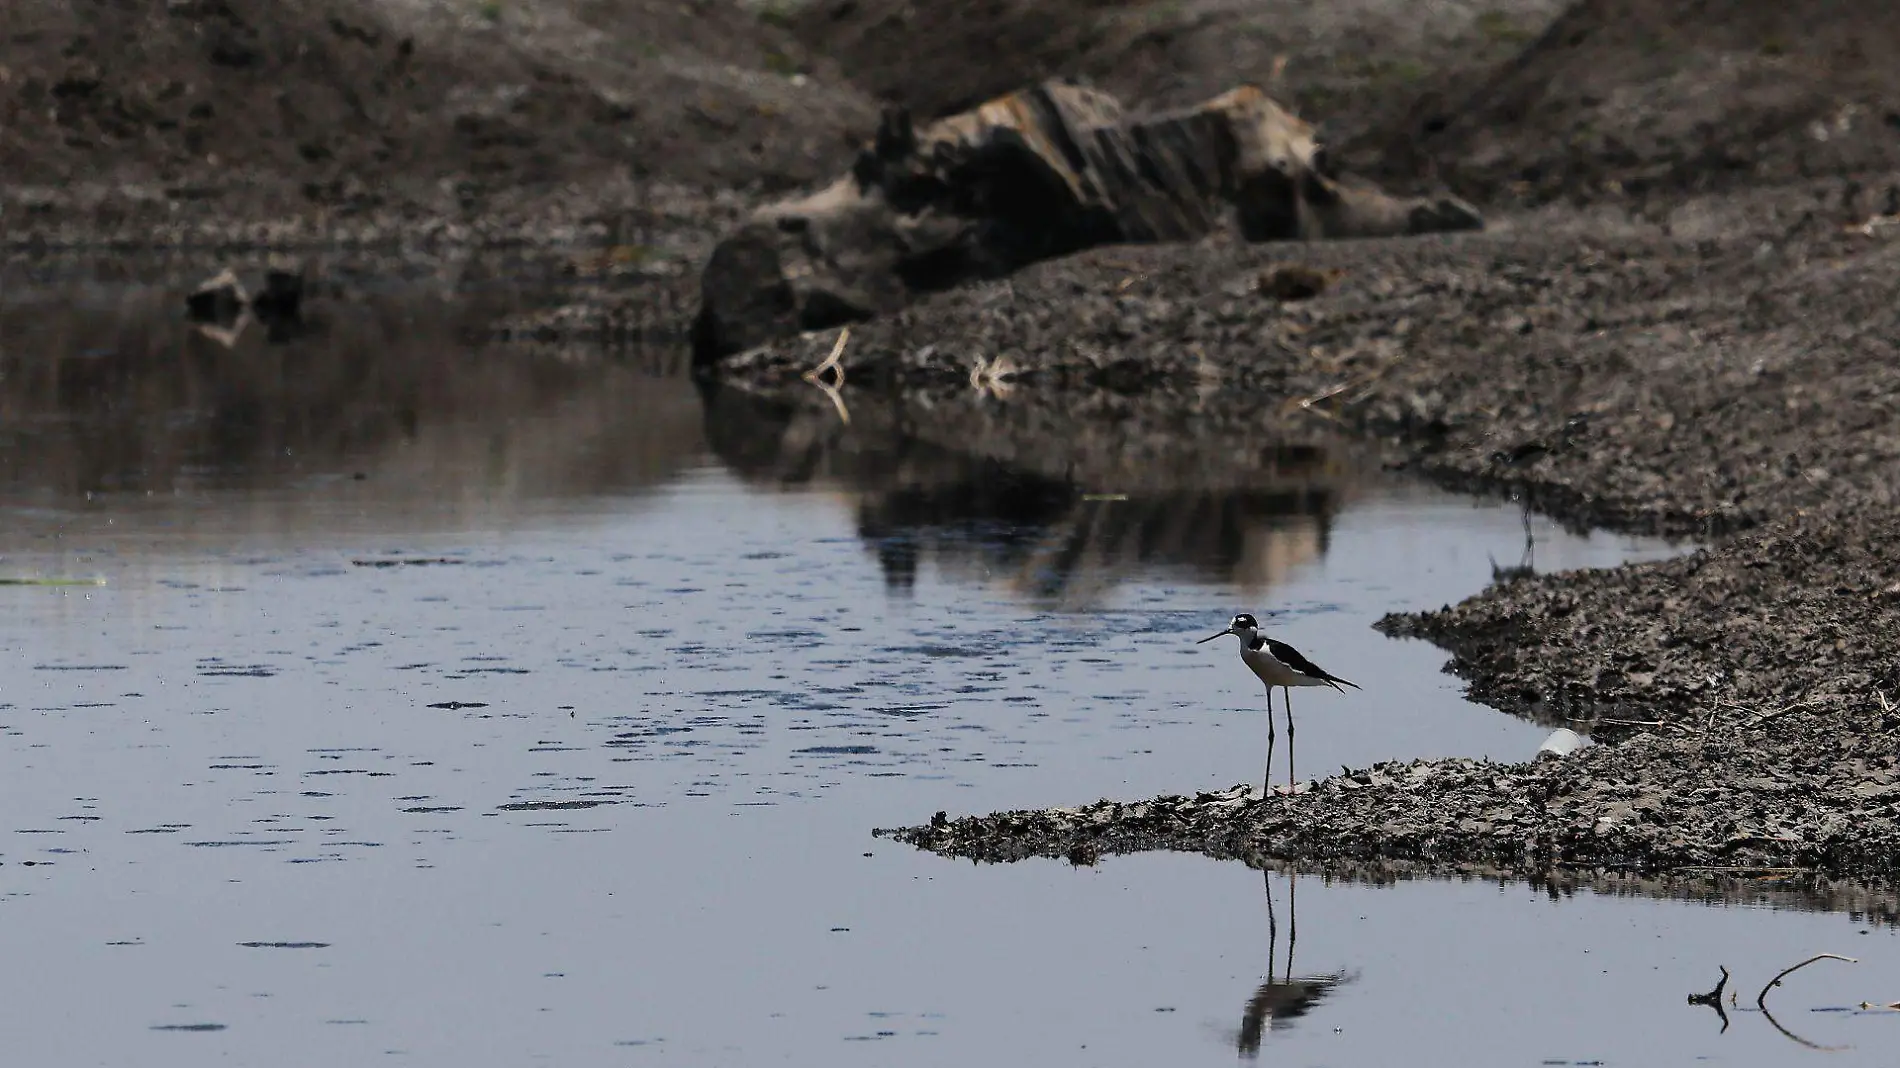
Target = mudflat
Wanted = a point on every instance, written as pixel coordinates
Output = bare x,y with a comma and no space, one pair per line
1747,690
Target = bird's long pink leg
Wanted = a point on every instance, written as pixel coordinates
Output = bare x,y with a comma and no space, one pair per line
1267,788
1289,737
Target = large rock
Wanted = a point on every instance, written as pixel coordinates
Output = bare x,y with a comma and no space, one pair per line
1038,173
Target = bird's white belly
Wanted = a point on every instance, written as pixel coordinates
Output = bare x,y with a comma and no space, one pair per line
1274,673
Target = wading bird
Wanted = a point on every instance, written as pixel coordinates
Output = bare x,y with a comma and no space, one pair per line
1276,664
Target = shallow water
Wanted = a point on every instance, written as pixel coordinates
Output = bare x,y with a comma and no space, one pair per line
511,710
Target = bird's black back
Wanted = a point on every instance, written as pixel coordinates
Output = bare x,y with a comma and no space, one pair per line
1291,657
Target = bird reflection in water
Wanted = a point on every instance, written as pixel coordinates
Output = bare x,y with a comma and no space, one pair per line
1526,566
1281,1000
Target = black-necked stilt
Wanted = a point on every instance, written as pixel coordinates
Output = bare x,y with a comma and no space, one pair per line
1277,664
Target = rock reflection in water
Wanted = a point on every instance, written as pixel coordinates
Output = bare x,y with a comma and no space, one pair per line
1059,509
380,414
1280,1001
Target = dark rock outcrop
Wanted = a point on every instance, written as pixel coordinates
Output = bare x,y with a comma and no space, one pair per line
1025,177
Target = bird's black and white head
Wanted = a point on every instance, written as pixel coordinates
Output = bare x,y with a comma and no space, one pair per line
1242,625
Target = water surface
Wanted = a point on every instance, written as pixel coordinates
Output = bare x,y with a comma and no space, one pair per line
512,707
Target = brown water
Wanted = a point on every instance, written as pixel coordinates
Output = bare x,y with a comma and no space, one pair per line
511,707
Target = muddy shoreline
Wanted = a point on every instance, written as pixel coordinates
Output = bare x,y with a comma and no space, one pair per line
1738,386
1872,898
1682,320
1687,378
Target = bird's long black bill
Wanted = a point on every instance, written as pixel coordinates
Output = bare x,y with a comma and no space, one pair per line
1211,637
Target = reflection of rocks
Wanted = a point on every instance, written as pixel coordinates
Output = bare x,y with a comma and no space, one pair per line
382,394
1312,833
1059,506
1876,901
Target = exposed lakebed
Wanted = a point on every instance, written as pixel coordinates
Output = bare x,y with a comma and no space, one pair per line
492,708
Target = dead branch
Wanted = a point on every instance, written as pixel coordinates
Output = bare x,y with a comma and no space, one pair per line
1351,385
1713,999
1760,718
1761,1002
816,375
1762,998
831,389
837,400
1776,1024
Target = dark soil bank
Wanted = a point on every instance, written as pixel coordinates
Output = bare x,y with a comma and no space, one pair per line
1689,381
1643,98
114,115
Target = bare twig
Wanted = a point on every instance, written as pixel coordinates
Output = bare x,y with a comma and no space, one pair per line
1761,717
831,389
226,336
1762,998
837,401
1358,382
1770,1017
1713,999
816,375
1713,996
1327,394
